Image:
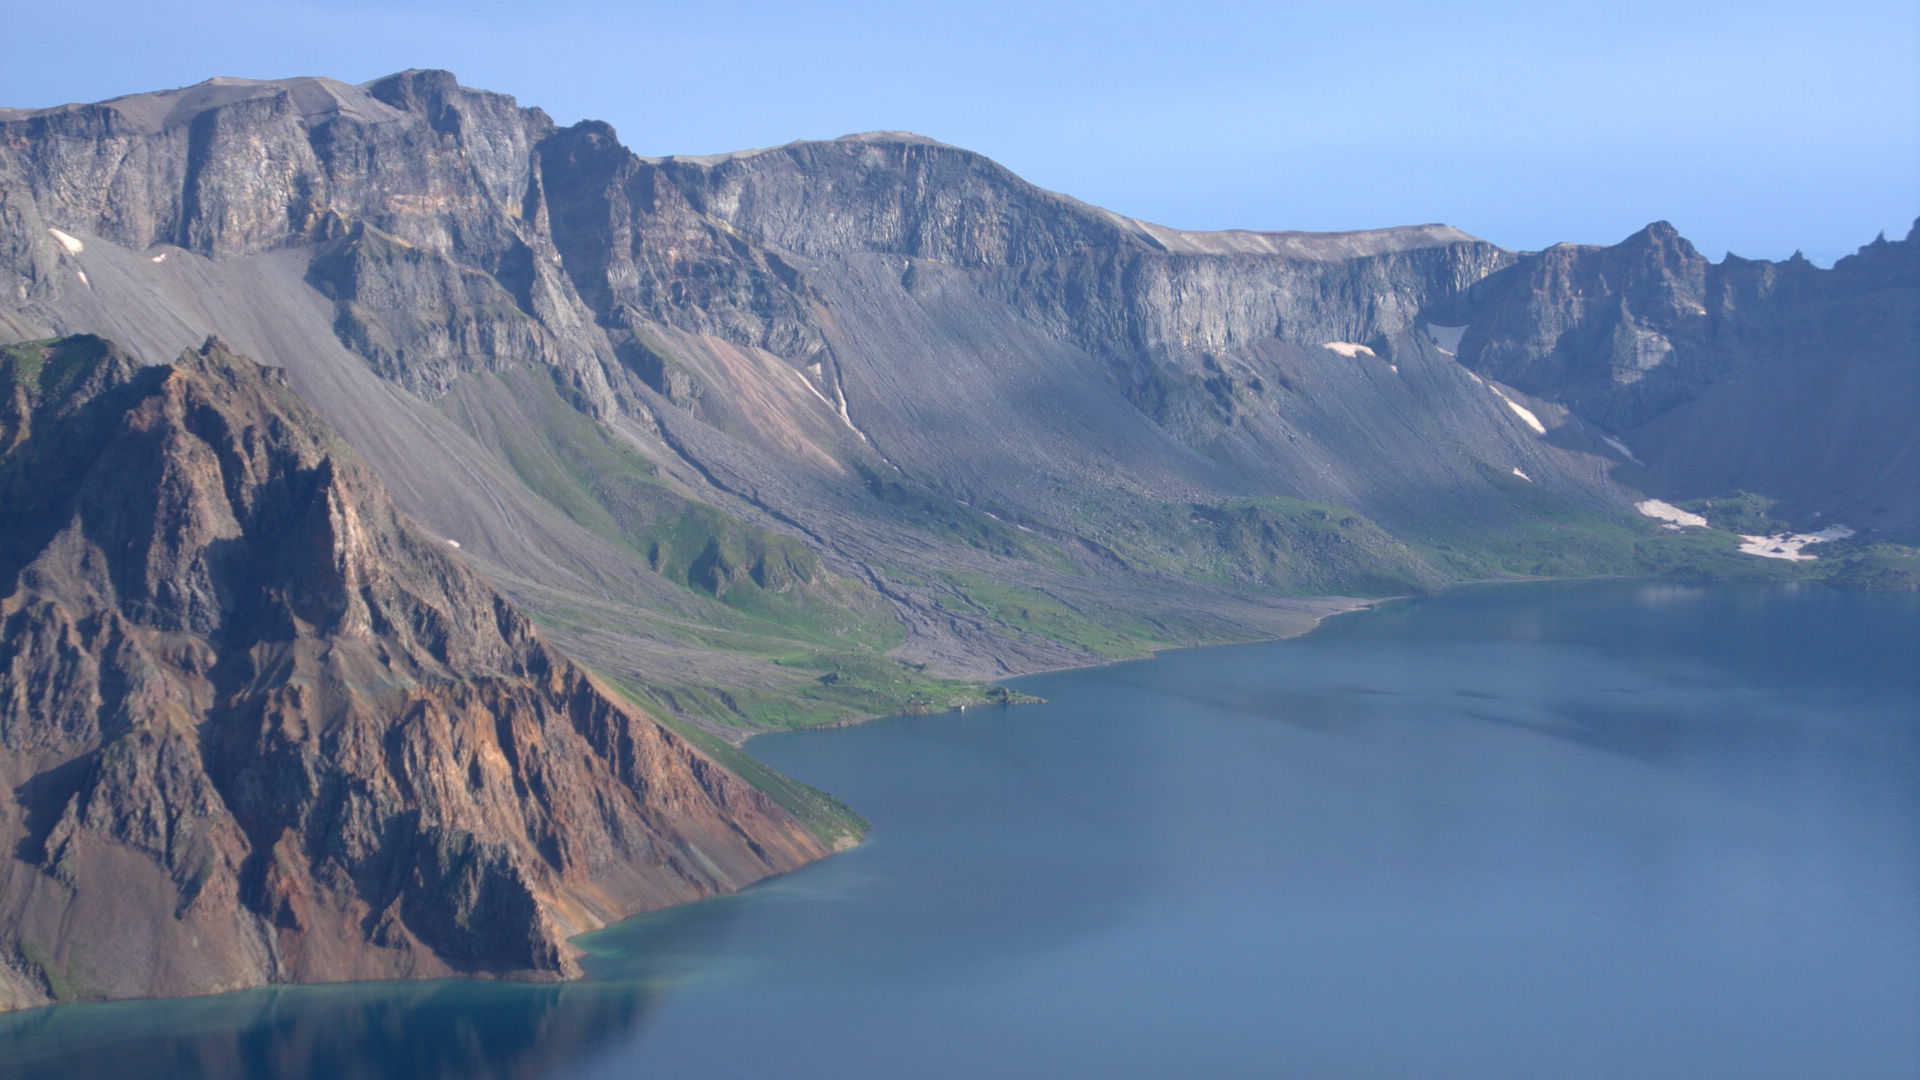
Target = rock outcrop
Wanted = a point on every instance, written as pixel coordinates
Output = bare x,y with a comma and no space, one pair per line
1779,378
255,727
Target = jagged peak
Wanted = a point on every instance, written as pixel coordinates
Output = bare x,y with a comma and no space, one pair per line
417,90
216,357
602,130
1658,234
437,78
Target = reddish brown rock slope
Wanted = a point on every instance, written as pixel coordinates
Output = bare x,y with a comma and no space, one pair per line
256,728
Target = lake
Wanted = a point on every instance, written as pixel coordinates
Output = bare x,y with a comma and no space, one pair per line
1600,830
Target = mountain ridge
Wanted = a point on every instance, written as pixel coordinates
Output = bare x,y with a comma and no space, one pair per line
810,339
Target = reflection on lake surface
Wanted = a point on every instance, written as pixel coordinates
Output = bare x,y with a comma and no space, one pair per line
397,1030
1592,830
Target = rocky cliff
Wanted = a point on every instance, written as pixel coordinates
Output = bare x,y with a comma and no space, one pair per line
597,370
257,728
1780,378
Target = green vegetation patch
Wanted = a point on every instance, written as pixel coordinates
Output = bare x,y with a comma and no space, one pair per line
47,365
740,577
63,984
1103,631
1878,567
21,362
1290,546
872,685
825,689
949,519
829,819
1528,531
1741,512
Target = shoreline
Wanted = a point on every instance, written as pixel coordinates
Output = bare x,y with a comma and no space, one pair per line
534,980
1350,606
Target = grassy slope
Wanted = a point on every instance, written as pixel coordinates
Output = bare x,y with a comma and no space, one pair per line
835,823
823,639
744,590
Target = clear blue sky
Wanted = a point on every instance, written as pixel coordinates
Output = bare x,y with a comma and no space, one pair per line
1758,127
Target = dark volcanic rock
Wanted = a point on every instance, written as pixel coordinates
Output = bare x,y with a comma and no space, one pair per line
256,728
420,318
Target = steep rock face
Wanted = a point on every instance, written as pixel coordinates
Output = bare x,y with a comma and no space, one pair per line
420,318
592,244
1598,326
256,728
1780,378
1107,282
640,251
233,167
944,292
1153,303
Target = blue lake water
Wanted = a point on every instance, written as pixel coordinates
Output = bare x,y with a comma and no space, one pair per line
1571,830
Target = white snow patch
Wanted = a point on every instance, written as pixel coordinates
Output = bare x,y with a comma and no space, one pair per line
453,543
839,405
69,241
1622,447
1348,349
162,257
1789,546
1521,475
1667,512
840,397
808,383
82,275
1521,411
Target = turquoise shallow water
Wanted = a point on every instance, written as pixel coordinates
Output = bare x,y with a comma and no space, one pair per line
1572,830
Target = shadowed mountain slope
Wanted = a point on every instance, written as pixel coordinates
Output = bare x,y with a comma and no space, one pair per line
1779,378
